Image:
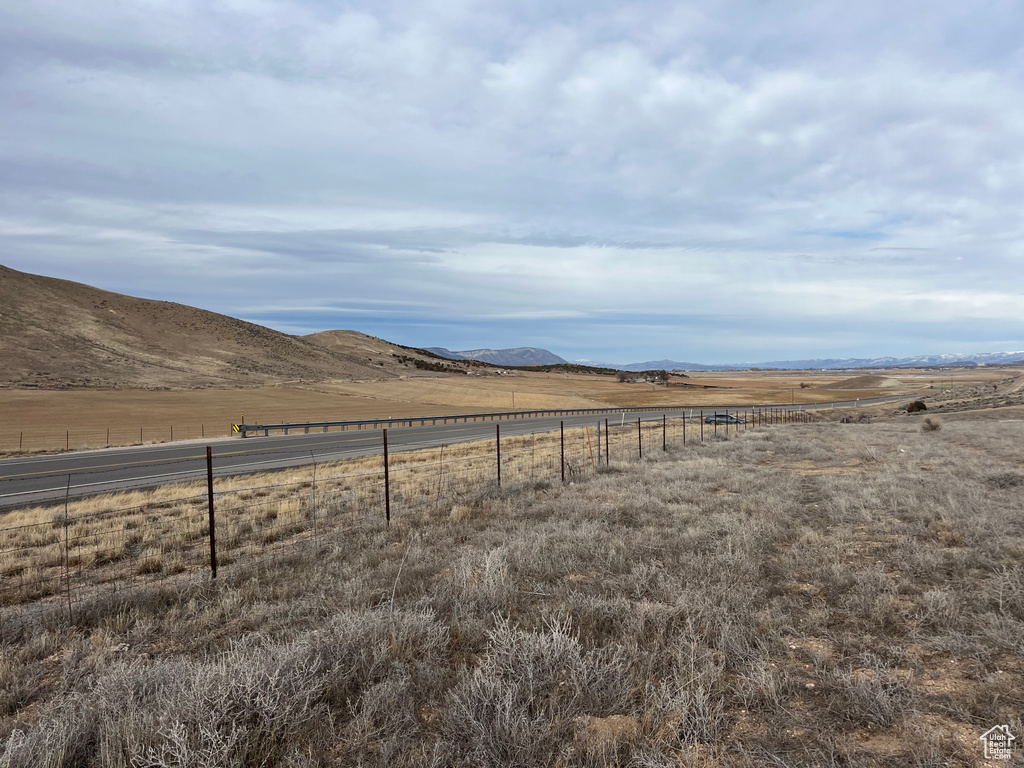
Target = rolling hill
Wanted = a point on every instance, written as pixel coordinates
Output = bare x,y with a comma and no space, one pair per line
61,334
509,357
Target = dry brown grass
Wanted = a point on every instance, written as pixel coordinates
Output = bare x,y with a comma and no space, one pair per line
107,539
45,415
816,595
40,420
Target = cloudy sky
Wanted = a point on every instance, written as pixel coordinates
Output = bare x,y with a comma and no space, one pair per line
711,181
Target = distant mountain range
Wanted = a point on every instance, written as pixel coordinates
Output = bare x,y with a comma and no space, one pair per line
511,357
536,356
990,358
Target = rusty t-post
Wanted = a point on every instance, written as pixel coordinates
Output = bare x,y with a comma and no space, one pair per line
561,427
387,483
607,456
209,497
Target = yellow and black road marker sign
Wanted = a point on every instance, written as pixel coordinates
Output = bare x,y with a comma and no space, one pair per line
234,428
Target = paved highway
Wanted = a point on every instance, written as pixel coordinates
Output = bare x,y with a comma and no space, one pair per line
37,479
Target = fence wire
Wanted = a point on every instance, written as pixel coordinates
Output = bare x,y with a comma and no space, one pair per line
60,564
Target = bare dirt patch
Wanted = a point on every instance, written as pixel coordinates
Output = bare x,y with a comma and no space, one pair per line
865,382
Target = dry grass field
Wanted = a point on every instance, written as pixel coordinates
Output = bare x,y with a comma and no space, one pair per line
38,420
41,418
810,595
115,540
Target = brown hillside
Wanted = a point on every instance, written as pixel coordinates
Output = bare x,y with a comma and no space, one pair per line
359,344
59,334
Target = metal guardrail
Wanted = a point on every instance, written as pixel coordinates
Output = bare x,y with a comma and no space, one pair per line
408,421
244,430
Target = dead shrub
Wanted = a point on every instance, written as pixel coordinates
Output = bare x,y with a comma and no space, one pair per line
1009,479
875,695
930,425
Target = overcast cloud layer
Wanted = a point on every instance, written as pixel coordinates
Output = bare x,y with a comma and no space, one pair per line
709,181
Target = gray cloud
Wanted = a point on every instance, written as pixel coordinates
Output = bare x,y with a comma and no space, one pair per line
509,169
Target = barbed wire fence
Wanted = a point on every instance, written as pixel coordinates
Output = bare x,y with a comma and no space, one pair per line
46,440
72,566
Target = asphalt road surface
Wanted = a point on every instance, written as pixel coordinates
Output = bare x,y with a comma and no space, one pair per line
40,479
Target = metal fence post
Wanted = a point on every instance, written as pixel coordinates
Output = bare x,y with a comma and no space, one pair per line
67,551
209,497
387,483
497,444
561,427
607,453
664,432
701,417
639,437
316,541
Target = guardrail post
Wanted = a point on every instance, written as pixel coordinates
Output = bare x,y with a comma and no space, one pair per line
213,524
